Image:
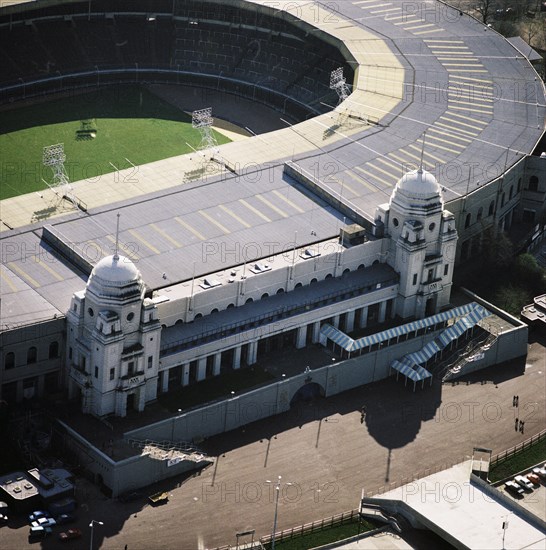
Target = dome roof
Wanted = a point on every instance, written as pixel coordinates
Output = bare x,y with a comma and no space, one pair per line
419,182
116,269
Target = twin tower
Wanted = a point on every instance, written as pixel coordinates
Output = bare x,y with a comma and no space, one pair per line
114,333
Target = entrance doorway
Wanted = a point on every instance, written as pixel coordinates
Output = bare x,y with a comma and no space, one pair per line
131,401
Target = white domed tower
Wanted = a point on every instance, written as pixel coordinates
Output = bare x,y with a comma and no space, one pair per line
422,244
113,340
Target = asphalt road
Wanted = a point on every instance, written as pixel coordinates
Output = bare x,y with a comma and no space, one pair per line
327,455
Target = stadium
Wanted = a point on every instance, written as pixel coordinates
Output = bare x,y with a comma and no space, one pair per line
389,138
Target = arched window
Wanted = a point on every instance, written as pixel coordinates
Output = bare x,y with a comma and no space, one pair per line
361,266
298,285
9,360
328,276
491,208
346,271
31,355
230,306
264,296
198,316
468,220
215,310
280,291
249,301
533,183
313,281
53,350
480,213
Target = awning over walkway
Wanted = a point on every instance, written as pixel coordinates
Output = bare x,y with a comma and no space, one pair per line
350,345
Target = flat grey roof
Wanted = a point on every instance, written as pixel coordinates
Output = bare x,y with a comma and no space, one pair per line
454,505
464,85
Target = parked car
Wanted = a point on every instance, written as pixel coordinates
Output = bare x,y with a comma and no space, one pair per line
533,478
3,518
513,488
39,532
36,515
63,519
44,522
524,482
70,534
540,472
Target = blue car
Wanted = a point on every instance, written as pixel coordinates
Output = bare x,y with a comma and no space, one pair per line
36,515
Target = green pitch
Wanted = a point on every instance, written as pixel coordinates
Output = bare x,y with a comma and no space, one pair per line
129,125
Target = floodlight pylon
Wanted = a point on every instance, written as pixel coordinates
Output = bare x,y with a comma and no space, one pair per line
339,85
202,120
54,157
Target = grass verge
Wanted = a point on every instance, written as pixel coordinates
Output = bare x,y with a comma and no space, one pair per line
325,536
524,459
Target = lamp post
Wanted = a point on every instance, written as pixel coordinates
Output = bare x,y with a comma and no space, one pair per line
172,428
231,396
92,524
278,490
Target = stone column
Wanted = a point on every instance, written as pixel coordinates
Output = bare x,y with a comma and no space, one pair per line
301,337
237,358
252,353
335,321
316,332
363,317
185,374
165,381
141,398
217,362
382,311
201,369
350,321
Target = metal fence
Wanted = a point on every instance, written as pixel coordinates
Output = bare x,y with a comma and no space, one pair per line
325,523
505,455
287,534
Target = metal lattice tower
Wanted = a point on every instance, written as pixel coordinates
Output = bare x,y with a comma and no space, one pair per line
202,120
339,84
54,158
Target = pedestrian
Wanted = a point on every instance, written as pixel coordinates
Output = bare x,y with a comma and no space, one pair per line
517,400
514,401
521,426
516,425
125,547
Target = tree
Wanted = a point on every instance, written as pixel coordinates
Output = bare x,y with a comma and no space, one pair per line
528,273
485,9
497,249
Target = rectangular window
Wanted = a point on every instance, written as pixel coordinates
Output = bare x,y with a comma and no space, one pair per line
131,367
446,269
430,275
112,373
83,363
96,371
414,279
70,352
150,361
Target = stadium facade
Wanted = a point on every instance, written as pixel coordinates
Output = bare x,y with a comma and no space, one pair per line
346,219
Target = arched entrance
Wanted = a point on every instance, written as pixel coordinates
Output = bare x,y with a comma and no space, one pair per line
307,392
